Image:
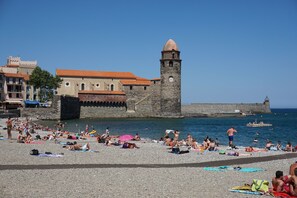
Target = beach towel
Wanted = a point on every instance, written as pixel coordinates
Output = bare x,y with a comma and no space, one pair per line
260,185
35,142
228,168
282,195
49,155
85,151
218,169
246,192
249,170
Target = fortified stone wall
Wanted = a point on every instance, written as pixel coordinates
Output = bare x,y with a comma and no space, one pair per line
89,111
207,109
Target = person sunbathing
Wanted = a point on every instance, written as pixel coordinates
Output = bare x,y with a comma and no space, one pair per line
293,167
293,184
289,147
76,146
269,144
136,137
20,138
212,145
129,145
280,182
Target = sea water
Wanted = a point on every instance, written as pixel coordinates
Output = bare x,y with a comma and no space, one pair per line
284,127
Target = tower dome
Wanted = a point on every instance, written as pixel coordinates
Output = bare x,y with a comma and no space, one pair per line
170,45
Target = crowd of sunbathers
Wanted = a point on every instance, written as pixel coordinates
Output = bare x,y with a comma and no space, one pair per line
27,127
286,183
208,144
278,147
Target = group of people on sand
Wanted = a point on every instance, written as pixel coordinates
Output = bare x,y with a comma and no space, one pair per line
190,142
114,140
286,183
26,128
278,147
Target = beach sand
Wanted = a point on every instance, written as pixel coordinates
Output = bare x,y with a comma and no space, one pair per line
151,171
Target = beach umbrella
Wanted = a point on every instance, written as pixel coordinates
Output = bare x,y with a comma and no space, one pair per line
126,137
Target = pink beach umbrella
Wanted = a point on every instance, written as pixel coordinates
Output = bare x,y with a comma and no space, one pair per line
126,137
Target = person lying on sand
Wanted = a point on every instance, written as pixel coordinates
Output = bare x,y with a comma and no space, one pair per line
76,146
129,145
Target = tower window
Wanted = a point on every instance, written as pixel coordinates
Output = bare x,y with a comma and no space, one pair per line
170,64
67,84
82,86
144,88
131,87
111,87
173,55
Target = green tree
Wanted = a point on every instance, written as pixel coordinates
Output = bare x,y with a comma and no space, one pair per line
45,82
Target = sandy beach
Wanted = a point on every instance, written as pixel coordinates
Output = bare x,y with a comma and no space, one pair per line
110,171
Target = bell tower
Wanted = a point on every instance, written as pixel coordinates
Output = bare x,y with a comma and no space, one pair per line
170,68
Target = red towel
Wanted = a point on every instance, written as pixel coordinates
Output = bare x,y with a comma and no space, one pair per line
282,195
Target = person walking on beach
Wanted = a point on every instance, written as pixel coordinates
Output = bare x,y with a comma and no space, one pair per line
230,133
9,127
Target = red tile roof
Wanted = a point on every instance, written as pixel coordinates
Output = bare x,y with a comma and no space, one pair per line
136,82
18,75
94,74
102,92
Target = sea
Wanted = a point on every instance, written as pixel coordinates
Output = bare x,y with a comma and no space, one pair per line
283,129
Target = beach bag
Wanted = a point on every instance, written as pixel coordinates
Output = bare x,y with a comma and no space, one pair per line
34,152
260,185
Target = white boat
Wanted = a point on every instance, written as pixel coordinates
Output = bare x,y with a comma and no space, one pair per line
258,124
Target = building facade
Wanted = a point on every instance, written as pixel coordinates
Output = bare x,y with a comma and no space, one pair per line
123,94
14,82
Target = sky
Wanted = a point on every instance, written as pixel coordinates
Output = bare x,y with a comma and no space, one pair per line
232,51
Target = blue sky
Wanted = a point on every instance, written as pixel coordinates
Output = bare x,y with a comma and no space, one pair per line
232,51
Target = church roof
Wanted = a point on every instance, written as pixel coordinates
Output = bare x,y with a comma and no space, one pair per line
136,82
94,74
170,45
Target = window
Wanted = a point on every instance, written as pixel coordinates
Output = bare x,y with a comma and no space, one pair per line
17,95
173,55
144,87
131,87
170,64
67,84
170,79
9,95
82,86
97,85
111,87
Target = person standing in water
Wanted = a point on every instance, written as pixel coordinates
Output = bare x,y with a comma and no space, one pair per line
230,133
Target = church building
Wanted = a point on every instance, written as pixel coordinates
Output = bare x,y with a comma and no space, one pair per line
123,94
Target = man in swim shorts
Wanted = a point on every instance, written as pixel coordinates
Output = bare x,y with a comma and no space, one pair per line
230,133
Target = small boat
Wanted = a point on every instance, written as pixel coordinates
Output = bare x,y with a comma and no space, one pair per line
258,124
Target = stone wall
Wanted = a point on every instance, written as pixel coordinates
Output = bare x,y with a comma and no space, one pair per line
100,111
197,109
63,108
